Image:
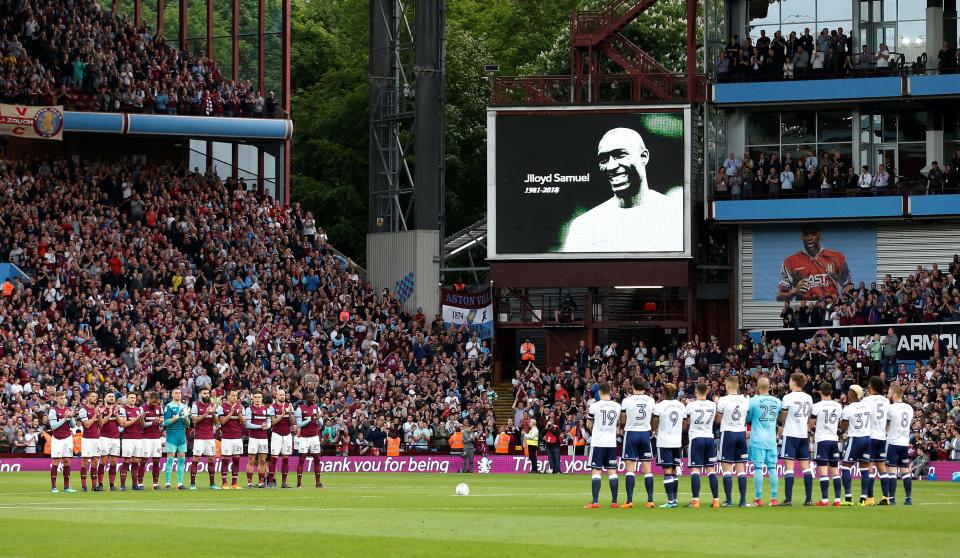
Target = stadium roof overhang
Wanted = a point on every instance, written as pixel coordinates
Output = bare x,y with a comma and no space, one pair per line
226,128
470,238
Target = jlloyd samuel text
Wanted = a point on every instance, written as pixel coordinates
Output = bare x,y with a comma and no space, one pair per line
556,177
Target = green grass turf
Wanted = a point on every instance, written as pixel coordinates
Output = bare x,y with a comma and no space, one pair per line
418,515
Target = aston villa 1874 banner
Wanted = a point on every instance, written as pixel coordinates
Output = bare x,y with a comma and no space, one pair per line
475,310
31,122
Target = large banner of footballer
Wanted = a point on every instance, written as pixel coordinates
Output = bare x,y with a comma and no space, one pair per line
812,261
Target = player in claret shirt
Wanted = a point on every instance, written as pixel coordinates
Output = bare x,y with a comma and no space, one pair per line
152,444
308,420
258,428
62,424
203,415
281,439
90,444
129,420
110,438
230,416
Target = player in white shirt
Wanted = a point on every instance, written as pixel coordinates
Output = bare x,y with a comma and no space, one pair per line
702,452
732,415
603,419
879,405
668,422
855,422
794,415
637,411
824,419
899,421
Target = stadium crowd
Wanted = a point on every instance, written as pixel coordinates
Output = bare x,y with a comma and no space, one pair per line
560,394
150,278
83,56
763,175
808,55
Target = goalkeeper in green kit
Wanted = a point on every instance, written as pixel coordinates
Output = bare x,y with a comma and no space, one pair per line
176,417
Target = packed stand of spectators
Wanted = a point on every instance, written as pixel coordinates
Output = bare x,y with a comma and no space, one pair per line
558,396
150,278
929,295
765,175
829,54
81,55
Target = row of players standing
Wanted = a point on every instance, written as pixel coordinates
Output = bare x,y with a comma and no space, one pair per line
877,431
138,433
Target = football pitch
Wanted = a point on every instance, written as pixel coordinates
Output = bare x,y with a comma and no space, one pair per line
419,515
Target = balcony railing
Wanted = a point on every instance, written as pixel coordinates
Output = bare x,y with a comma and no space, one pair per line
627,306
617,88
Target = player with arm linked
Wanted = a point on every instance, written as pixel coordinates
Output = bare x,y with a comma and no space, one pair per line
176,418
702,452
308,419
824,419
603,418
62,425
763,415
281,439
258,428
795,418
732,415
879,406
89,415
855,422
668,422
110,438
129,418
899,420
203,415
230,417
152,423
637,411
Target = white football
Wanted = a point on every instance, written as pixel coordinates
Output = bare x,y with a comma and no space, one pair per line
463,489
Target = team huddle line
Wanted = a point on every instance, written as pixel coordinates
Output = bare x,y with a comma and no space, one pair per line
152,429
877,430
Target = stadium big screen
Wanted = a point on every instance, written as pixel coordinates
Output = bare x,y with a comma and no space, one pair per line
580,183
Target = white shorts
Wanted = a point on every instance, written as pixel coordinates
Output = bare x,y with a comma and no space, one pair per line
130,448
110,446
231,446
206,448
90,447
256,446
281,445
61,448
151,447
309,445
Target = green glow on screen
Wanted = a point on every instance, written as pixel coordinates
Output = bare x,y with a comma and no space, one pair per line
661,124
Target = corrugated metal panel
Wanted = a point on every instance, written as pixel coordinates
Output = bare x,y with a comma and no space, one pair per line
753,314
391,256
902,247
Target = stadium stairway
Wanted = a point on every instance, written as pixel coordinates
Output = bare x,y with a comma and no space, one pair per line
503,406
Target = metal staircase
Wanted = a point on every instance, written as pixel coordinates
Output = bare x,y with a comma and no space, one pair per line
596,40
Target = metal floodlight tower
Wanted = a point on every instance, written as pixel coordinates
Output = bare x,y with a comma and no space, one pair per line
406,103
405,228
